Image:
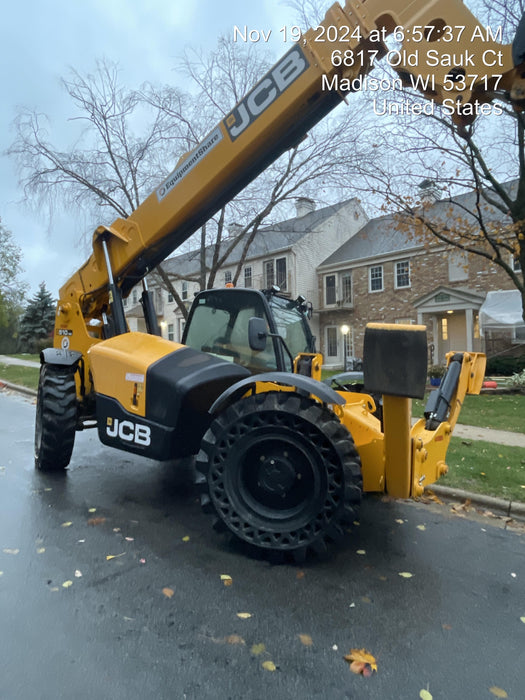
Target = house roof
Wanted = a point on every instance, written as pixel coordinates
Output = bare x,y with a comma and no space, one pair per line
382,236
269,240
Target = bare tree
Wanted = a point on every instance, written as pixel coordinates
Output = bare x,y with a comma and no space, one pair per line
486,158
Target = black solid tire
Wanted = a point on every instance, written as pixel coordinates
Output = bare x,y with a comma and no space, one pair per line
56,418
281,473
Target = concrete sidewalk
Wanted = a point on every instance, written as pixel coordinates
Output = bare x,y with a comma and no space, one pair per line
6,360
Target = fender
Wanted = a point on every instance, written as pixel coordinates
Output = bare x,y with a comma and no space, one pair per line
302,383
57,356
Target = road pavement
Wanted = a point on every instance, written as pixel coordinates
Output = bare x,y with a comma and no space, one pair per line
112,586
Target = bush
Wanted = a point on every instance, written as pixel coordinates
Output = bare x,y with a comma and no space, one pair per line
518,380
505,366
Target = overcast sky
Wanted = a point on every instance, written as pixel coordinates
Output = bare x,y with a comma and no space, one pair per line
41,40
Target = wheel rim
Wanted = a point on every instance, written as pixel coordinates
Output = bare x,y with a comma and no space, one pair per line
275,480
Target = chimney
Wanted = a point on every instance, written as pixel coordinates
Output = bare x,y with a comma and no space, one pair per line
429,192
234,229
303,206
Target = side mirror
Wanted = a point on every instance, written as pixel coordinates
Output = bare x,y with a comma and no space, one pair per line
257,334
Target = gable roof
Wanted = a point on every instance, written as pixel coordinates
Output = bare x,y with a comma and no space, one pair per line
382,236
268,240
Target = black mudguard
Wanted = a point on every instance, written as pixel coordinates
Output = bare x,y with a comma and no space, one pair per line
300,382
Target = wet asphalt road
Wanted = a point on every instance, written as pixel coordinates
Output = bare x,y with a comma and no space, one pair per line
155,620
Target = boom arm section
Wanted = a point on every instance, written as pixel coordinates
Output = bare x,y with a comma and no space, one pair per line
273,117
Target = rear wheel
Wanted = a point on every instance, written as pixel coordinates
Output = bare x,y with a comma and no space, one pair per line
281,473
56,418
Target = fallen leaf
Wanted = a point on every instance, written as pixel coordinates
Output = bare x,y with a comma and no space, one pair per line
269,666
405,574
234,639
78,574
361,551
365,599
498,692
382,578
96,521
361,662
2,573
401,522
522,619
300,575
425,695
186,539
168,592
447,627
40,550
55,589
130,539
335,647
306,640
81,541
514,575
92,510
142,561
68,524
257,649
227,580
421,527
116,529
244,616
11,551
67,584
114,556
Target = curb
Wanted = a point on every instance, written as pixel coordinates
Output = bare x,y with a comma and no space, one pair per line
17,387
509,509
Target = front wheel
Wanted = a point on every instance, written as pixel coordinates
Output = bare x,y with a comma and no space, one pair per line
281,473
56,418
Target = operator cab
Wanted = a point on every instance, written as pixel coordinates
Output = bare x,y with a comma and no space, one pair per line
219,321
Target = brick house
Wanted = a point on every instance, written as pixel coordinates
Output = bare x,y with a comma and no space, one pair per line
285,254
383,275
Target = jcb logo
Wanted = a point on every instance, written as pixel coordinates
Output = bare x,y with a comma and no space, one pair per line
128,431
266,91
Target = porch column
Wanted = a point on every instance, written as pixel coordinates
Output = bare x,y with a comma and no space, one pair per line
469,317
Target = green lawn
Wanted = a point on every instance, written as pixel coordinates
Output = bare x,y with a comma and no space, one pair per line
484,467
25,376
499,411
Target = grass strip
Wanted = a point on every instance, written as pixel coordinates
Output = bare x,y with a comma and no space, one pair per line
497,411
487,468
24,376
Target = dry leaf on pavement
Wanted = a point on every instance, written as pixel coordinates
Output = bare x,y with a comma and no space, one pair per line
361,662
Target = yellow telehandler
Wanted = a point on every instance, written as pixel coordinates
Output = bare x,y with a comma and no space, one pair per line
282,458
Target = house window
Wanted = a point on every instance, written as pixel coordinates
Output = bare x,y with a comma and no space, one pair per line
184,294
171,333
182,326
376,278
125,302
247,276
135,296
444,329
170,297
402,274
457,266
516,265
405,321
280,270
346,288
329,297
331,341
269,277
228,277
